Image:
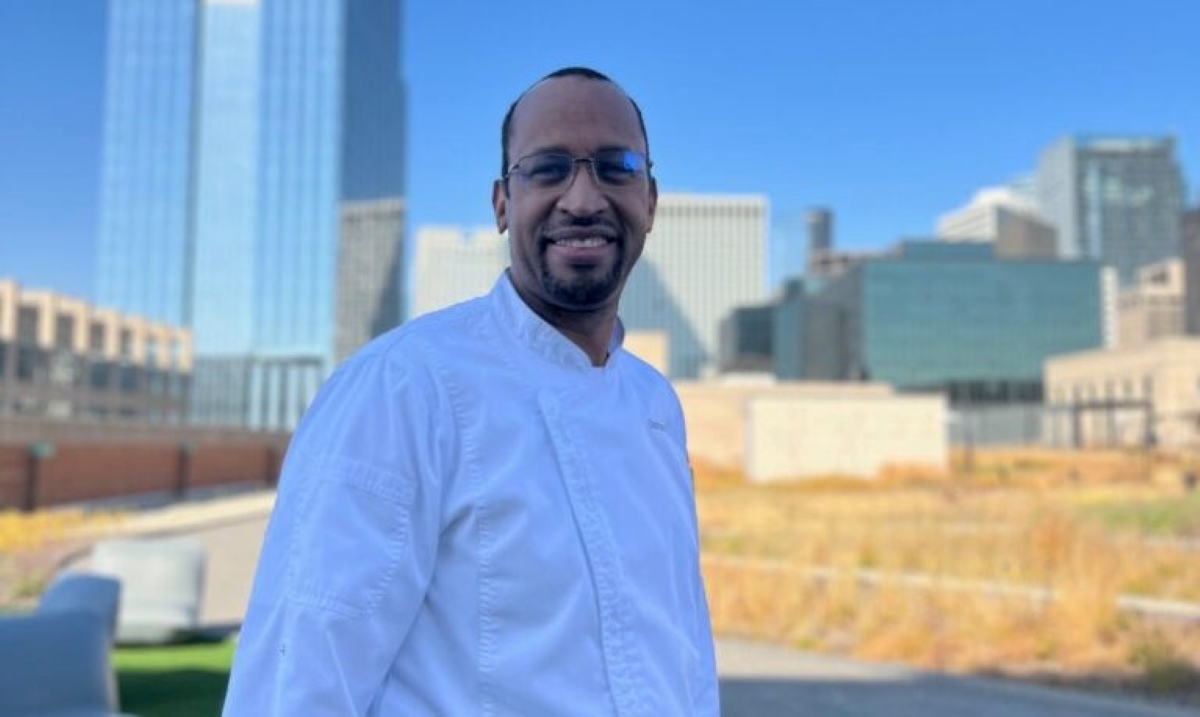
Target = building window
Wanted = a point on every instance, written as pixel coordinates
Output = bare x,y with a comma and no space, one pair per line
96,337
27,326
64,331
126,344
129,379
100,376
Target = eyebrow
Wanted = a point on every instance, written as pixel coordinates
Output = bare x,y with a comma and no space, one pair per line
560,149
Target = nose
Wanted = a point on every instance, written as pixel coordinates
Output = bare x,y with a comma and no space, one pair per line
583,195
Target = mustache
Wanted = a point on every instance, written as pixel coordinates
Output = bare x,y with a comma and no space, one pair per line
603,226
582,223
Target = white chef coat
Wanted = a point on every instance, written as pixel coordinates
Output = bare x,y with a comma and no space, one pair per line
473,519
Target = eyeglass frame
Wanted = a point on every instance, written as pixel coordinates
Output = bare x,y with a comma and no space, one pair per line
647,163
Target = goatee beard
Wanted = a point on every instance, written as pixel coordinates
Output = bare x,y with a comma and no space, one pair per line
584,291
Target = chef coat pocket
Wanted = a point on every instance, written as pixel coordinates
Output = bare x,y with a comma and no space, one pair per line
350,537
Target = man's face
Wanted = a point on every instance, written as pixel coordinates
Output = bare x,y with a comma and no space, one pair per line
573,245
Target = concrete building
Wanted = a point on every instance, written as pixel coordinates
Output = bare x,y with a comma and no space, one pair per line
452,264
1116,200
1147,395
945,317
746,340
1005,218
776,431
63,358
1153,308
370,272
1191,271
705,257
274,232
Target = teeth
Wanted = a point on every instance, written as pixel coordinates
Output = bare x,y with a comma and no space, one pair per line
584,243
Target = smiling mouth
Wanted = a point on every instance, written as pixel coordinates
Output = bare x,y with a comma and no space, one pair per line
581,242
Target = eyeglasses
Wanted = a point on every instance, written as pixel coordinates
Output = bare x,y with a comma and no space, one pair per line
610,168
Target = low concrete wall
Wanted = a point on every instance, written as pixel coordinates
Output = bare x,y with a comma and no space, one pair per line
797,430
801,437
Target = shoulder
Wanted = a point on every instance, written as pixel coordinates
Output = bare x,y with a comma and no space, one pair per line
656,390
425,337
403,366
646,376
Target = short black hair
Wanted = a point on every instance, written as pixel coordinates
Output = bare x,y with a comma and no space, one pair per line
585,72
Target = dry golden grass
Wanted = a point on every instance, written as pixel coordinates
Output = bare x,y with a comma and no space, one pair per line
1005,564
33,544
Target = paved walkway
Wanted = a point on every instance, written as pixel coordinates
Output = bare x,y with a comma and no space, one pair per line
757,680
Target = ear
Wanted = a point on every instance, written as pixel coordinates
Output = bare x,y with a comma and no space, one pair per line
653,204
500,205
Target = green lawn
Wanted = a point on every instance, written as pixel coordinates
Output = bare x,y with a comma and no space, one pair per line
175,681
1173,517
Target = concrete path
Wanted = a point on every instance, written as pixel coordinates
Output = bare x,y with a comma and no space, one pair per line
757,679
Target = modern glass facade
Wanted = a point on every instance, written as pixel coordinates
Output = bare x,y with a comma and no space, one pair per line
246,143
1114,199
226,179
332,132
940,316
144,239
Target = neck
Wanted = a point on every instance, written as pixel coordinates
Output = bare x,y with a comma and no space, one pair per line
590,333
589,329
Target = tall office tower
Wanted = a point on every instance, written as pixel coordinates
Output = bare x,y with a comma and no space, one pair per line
1116,200
453,265
1191,271
224,230
1004,217
331,153
705,257
370,259
144,233
818,223
254,177
820,230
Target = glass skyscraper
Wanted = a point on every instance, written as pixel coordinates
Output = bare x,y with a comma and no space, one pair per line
1113,199
144,240
291,188
946,317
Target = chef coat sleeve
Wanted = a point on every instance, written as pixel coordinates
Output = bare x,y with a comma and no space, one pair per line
349,551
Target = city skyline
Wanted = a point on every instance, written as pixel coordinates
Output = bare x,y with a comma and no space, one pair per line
890,118
252,189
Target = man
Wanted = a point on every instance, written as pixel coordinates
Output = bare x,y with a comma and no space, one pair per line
489,510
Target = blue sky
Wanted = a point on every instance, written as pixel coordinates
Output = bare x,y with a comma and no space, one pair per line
889,112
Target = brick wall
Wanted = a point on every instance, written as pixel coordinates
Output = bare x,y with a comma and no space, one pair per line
74,463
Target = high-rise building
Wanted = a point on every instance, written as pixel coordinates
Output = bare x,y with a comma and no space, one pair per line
253,188
705,257
452,265
1191,271
1004,217
1113,199
145,224
370,266
819,221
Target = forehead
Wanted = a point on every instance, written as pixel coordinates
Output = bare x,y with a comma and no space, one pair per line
575,113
